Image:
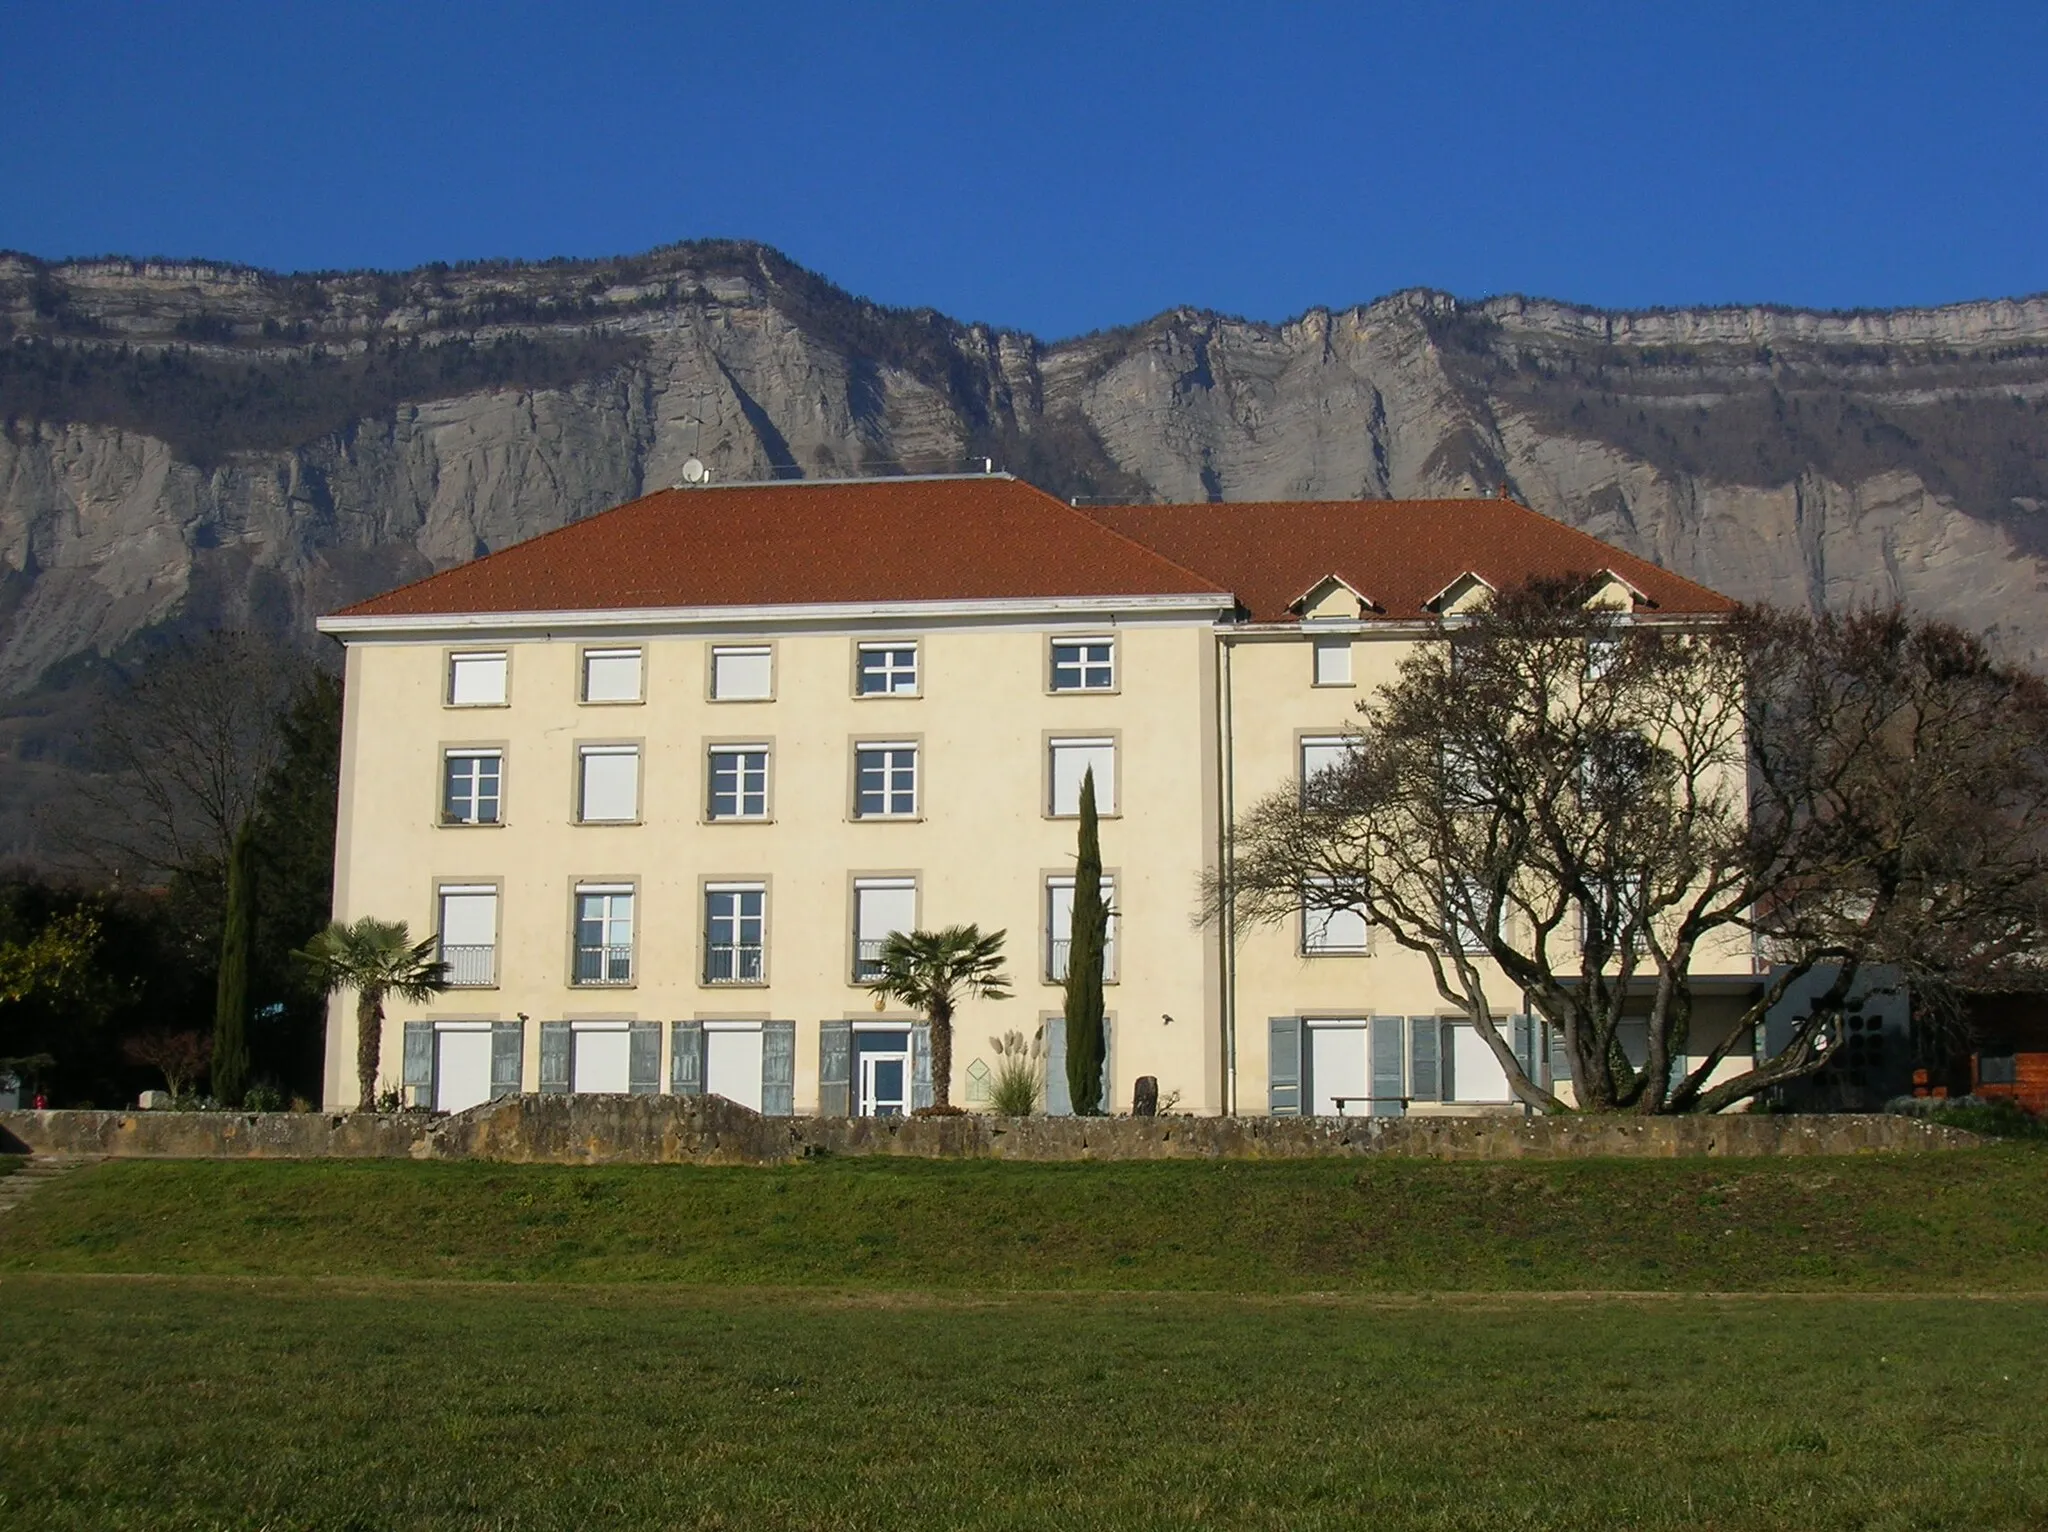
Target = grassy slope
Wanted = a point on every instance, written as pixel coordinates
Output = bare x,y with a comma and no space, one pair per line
192,1402
1933,1222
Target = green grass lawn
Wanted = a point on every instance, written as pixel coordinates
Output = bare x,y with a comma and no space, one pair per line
1956,1221
907,1344
220,1403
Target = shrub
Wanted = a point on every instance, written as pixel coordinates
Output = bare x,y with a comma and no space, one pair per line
1013,1091
1994,1119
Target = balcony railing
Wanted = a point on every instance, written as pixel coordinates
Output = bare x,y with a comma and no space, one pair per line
732,963
867,961
470,966
1060,949
604,965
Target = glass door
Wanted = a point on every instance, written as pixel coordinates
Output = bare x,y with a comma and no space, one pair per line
884,1084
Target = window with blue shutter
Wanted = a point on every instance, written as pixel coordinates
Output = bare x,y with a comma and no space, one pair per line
920,1066
778,1069
1523,1038
835,1069
418,1078
1389,1033
1059,1101
508,1057
1425,1050
1283,1066
686,1058
643,1058
554,1058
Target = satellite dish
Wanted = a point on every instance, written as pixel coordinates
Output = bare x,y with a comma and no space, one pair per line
693,471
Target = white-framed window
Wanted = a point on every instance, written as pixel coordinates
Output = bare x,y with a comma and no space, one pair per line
471,786
888,669
469,934
1467,936
1331,924
607,783
1069,761
604,934
742,673
1332,660
477,680
1325,752
738,776
1083,664
611,675
735,933
881,908
1059,927
885,781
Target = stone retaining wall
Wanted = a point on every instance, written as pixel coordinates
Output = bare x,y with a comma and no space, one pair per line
673,1130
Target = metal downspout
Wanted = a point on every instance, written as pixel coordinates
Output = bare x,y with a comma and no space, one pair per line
1226,831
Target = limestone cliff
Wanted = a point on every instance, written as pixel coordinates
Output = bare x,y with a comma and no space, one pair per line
185,444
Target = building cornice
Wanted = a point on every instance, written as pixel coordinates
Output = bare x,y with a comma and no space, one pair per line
1202,607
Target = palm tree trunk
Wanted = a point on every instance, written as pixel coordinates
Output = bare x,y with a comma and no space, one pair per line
942,1055
369,1046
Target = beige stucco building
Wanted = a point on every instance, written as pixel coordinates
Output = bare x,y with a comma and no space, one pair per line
664,779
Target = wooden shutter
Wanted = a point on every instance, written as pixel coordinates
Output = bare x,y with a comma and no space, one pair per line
1283,1066
1447,1056
508,1057
778,1069
1387,1038
1425,1048
418,1077
1059,1101
920,1065
554,1058
643,1058
686,1058
835,1069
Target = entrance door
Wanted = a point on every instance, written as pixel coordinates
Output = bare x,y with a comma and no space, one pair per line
1337,1071
884,1084
462,1070
732,1064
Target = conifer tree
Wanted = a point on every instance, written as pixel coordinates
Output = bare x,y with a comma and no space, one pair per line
231,991
1085,955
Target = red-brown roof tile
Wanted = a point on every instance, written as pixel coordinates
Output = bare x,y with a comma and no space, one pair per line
880,540
1399,553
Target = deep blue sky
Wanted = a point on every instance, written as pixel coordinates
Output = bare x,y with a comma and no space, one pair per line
1062,167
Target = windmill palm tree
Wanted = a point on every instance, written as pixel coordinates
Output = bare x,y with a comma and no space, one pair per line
932,971
374,958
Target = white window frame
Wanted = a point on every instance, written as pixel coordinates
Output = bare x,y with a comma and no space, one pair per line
866,964
458,657
1053,958
461,972
888,670
1083,664
740,814
891,767
639,658
734,925
1108,797
1315,924
609,918
1349,744
587,753
1332,645
741,651
450,754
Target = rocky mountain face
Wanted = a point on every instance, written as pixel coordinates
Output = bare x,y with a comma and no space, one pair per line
200,445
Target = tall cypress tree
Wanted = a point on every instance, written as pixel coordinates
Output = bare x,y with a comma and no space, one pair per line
1090,935
231,993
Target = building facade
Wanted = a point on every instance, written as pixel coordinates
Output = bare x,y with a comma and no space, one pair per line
662,782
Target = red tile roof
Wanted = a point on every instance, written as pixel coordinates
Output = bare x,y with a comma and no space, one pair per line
1398,553
993,537
880,540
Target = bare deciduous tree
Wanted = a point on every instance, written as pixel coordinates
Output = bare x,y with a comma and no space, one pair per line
182,752
1568,808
